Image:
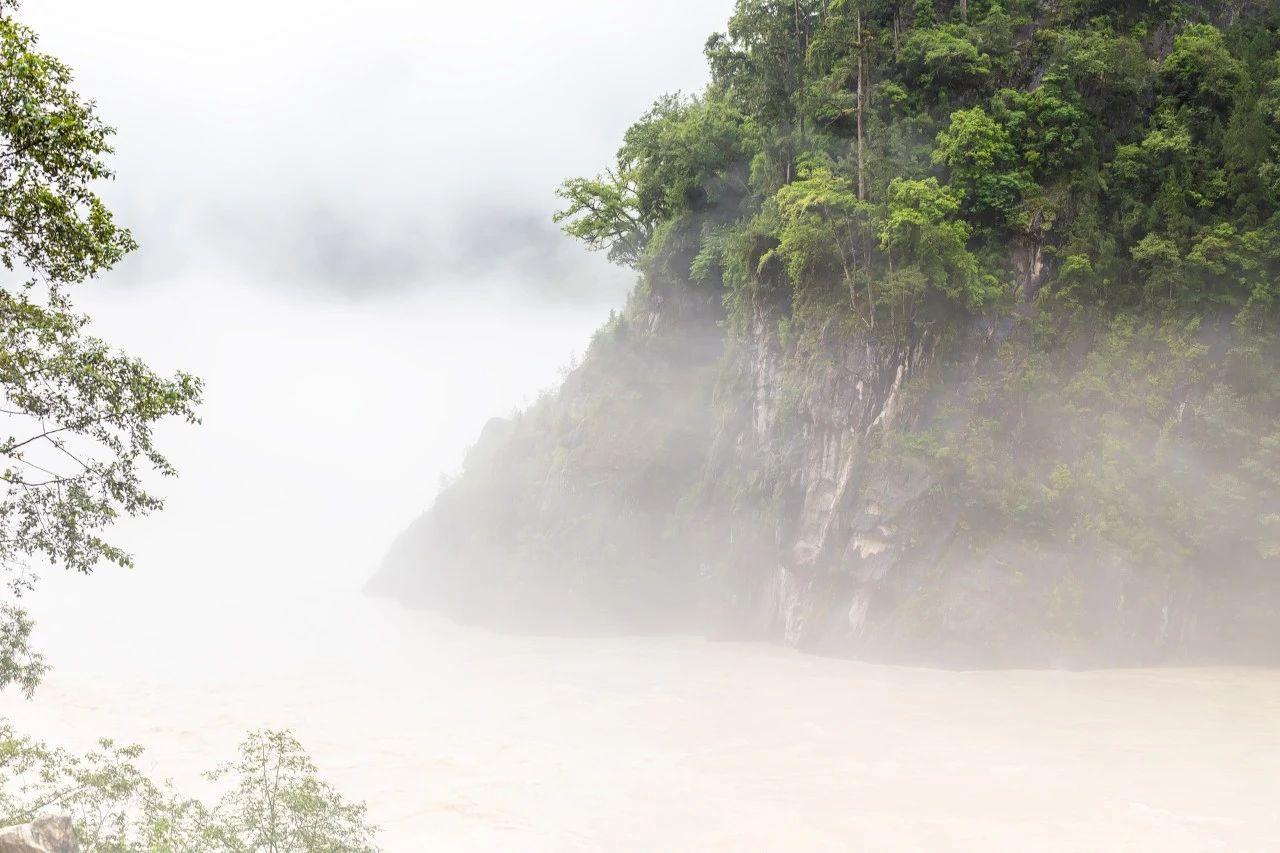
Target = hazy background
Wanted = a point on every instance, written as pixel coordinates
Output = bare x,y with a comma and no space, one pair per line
371,146
344,212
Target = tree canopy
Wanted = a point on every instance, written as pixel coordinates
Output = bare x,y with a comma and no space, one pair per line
1138,141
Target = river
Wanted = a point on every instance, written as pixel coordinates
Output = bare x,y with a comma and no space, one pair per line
462,739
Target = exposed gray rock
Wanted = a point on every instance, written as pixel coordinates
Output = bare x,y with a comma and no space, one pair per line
52,834
746,484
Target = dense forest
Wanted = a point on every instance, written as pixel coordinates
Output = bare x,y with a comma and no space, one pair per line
939,162
955,332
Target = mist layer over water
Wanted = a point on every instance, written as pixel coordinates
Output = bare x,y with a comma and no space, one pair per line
462,739
328,424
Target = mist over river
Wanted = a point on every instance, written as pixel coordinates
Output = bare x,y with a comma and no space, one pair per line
461,739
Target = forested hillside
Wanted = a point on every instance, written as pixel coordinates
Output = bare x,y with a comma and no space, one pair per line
954,340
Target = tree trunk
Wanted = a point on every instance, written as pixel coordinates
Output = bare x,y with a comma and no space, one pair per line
964,10
803,48
862,189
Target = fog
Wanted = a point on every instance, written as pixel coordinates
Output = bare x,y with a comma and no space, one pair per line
344,218
399,144
345,221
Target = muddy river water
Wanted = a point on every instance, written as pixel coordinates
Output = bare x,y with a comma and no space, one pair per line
461,739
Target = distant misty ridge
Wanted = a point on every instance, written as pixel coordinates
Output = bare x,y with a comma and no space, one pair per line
321,250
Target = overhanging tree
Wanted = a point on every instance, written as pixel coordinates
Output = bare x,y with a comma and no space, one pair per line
76,416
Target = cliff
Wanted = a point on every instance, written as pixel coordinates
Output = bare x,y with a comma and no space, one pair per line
984,377
740,485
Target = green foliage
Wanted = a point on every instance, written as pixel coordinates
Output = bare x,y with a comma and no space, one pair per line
1120,160
56,227
982,162
1109,75
19,664
604,213
759,62
723,248
921,228
823,225
278,803
944,61
90,413
683,155
1050,129
1134,435
1137,171
114,806
76,417
1200,73
274,803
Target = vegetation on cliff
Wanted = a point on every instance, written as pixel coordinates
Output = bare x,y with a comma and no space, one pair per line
1093,184
993,291
936,157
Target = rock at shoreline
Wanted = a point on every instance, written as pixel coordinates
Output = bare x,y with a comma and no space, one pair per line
53,834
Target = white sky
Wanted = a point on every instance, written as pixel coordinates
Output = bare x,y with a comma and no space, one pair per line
361,144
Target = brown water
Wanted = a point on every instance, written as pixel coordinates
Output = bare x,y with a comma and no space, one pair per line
461,739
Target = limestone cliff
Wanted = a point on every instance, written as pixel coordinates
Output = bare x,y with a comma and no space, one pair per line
808,483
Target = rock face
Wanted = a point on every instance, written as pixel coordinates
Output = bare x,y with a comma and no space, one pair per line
44,835
808,482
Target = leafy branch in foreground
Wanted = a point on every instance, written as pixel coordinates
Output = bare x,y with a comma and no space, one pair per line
76,416
275,801
278,803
